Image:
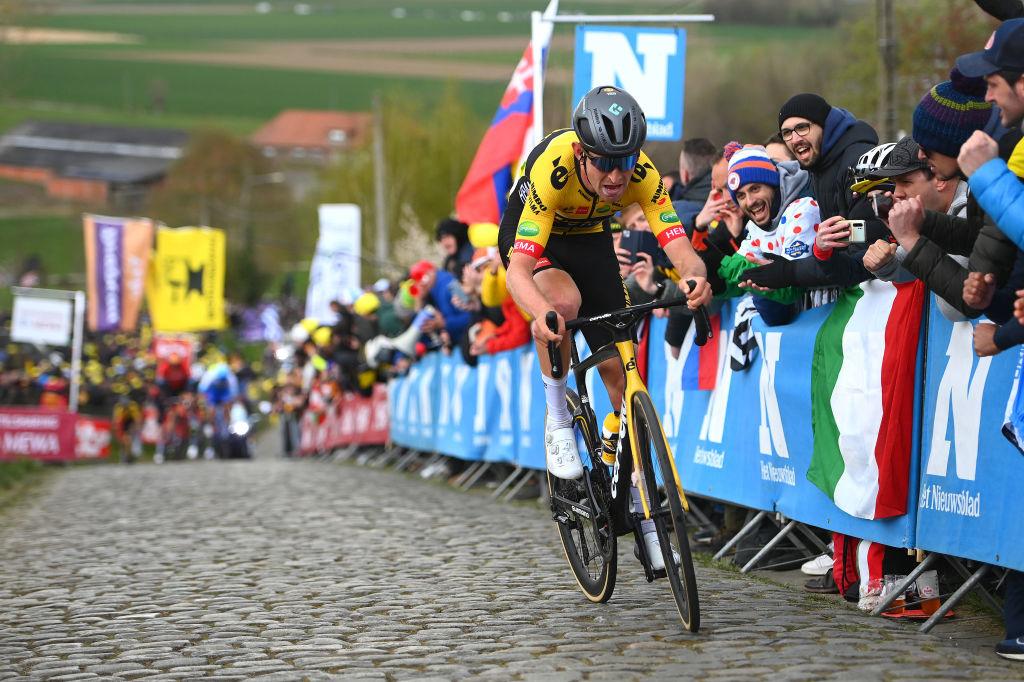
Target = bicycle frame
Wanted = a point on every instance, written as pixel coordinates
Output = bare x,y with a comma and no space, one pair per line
624,349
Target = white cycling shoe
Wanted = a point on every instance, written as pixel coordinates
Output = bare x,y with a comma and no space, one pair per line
563,457
654,556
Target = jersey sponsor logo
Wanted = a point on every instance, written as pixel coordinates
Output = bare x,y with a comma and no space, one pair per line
524,190
615,109
665,236
559,176
659,193
527,247
528,228
582,210
640,172
603,208
536,204
797,250
669,217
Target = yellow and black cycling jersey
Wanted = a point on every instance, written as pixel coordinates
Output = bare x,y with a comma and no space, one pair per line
550,199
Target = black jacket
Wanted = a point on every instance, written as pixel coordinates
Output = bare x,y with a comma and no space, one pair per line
976,235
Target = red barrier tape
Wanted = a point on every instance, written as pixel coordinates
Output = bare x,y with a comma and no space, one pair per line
350,419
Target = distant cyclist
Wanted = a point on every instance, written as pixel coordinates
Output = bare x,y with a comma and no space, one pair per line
556,243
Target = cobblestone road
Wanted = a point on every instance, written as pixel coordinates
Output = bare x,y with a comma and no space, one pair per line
291,570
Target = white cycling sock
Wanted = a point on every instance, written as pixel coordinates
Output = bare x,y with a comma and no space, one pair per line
554,395
647,525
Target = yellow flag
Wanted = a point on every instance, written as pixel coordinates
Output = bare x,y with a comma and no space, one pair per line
185,291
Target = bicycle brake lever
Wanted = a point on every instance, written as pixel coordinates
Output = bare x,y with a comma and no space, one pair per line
551,319
700,318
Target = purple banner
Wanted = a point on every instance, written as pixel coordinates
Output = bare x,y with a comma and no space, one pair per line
109,250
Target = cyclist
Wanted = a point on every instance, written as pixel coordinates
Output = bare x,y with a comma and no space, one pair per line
556,244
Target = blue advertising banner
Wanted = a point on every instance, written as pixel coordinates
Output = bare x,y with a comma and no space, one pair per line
458,390
969,502
498,420
531,411
648,63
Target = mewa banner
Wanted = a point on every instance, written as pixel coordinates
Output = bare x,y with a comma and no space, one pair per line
750,439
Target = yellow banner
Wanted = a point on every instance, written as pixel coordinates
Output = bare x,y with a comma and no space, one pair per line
185,291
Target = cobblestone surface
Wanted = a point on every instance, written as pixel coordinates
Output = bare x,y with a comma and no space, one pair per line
276,570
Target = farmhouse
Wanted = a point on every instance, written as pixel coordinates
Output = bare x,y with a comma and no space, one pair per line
312,136
113,166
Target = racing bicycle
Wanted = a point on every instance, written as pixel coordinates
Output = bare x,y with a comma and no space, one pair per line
593,511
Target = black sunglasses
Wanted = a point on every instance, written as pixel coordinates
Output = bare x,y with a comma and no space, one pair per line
606,164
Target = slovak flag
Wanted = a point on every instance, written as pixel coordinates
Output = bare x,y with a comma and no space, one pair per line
484,193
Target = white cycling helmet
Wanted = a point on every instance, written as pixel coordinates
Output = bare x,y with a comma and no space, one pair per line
864,178
872,159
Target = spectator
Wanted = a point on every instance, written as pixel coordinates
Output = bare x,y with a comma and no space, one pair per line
946,116
911,176
435,291
696,160
826,141
453,236
777,149
781,222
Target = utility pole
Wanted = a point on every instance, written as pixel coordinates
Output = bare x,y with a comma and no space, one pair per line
887,77
379,173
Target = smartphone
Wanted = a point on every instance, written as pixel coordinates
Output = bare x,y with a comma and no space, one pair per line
881,203
635,241
858,231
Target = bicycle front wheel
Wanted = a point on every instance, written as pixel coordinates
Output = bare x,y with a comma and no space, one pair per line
582,511
656,461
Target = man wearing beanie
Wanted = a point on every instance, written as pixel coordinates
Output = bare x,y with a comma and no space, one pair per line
945,118
826,141
775,199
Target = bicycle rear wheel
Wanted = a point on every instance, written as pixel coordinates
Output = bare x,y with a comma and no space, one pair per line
582,511
655,459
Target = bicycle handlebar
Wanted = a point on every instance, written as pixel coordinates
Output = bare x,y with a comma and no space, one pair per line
626,316
622,318
554,354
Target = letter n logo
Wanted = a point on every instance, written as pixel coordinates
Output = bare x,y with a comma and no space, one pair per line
959,392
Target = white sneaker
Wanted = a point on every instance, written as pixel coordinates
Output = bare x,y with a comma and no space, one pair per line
654,556
563,458
819,565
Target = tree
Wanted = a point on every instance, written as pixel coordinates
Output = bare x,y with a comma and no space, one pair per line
216,184
427,148
931,34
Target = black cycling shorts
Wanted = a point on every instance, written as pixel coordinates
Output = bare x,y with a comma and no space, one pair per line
589,259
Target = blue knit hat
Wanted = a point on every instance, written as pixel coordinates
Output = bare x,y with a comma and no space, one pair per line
949,113
748,165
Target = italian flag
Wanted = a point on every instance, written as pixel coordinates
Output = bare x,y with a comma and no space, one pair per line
862,398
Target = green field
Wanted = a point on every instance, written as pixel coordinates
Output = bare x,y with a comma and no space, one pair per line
108,82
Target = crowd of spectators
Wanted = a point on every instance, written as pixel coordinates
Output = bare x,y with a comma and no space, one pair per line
125,380
784,223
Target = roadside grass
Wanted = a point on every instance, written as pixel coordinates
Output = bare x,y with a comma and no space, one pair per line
18,478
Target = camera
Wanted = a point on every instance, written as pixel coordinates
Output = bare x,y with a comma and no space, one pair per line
881,203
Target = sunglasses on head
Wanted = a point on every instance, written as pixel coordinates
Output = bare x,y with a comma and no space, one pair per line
606,164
